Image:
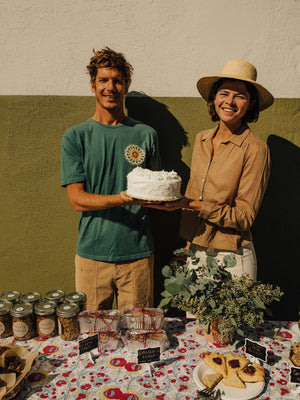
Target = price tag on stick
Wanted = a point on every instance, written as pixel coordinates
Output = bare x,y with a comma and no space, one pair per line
295,375
148,355
256,350
88,344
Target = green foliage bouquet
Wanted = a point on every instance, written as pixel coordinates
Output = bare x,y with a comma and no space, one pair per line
212,294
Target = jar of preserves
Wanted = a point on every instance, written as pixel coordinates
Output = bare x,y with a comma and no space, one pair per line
57,296
78,298
13,296
5,319
22,321
68,324
31,297
46,319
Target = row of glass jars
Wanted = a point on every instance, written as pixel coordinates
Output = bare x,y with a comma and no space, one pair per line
44,318
58,296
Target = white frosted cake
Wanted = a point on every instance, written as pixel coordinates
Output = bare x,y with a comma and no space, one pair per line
153,185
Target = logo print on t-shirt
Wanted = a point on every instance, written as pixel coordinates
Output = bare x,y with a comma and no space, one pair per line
134,154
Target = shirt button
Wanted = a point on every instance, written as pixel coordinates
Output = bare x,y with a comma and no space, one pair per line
200,198
203,180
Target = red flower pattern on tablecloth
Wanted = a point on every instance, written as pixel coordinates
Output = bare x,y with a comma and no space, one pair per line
282,382
284,391
78,378
182,387
36,377
285,335
50,349
60,383
130,367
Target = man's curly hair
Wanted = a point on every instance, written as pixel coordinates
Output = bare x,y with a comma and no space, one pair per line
108,58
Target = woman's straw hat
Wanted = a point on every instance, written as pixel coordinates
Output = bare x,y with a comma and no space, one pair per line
237,69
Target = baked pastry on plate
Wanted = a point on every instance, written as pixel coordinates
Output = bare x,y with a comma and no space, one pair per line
217,362
235,363
234,380
211,380
252,373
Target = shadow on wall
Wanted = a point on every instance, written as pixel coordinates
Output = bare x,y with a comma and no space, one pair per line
172,139
276,229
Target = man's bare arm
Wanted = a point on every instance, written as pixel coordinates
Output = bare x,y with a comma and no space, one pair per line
83,201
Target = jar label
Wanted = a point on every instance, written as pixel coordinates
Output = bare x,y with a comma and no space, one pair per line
2,328
46,326
20,328
59,328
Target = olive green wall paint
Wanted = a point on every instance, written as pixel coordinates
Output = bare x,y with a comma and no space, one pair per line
38,228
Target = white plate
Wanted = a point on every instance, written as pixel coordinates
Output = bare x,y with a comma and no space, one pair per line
251,391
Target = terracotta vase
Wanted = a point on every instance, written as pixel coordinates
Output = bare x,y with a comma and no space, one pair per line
215,335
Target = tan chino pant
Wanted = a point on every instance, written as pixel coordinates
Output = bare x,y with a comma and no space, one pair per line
130,281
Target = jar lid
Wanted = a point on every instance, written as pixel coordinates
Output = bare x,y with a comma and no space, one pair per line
55,295
21,310
31,297
67,310
76,297
12,296
45,308
5,307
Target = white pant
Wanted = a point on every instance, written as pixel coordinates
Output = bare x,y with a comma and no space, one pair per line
246,262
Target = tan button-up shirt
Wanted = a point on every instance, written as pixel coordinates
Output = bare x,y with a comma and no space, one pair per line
231,186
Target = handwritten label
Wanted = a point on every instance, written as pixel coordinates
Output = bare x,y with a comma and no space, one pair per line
256,350
295,375
148,355
88,344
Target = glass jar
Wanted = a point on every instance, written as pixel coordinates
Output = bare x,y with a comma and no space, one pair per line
31,297
55,295
22,321
46,319
5,319
68,324
13,296
77,298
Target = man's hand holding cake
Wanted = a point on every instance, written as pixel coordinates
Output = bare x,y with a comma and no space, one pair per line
158,189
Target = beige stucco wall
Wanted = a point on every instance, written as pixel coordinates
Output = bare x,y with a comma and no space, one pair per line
45,44
44,89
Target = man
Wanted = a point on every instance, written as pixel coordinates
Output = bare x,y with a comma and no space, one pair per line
114,255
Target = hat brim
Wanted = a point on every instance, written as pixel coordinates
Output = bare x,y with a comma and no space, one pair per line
265,98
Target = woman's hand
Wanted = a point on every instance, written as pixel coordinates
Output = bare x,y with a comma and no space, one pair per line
169,205
183,202
131,200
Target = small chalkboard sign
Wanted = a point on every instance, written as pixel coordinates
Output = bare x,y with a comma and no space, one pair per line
295,375
256,350
148,355
88,344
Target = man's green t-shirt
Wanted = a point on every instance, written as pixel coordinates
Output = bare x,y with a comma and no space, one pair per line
102,156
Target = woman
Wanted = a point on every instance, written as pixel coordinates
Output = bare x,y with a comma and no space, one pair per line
229,171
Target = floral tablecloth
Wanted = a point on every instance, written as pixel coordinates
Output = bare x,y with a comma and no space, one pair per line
60,373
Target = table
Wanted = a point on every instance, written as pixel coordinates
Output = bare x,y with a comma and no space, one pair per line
60,373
